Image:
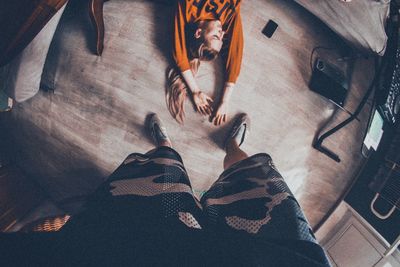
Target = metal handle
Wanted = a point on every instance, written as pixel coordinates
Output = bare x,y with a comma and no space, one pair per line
376,213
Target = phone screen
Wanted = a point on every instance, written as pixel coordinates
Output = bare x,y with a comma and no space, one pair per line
270,28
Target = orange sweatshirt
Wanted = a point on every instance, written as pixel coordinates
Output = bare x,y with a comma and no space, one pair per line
228,12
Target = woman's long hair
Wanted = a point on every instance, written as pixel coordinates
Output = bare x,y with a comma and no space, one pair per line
177,91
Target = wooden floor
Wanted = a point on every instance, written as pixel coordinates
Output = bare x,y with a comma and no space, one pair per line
71,140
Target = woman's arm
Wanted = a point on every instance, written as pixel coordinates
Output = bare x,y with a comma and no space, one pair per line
179,43
221,112
232,51
201,101
190,81
232,55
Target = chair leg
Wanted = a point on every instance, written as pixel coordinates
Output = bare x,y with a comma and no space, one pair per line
96,16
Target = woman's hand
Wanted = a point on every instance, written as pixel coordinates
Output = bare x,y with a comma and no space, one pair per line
221,114
202,103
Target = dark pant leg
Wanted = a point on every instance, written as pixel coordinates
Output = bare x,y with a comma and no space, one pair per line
252,197
147,187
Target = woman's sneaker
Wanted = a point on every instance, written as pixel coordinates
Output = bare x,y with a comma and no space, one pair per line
157,131
240,129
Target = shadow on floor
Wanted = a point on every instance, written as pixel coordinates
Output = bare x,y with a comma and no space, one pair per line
71,176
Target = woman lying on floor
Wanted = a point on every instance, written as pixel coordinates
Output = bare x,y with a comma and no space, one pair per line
202,30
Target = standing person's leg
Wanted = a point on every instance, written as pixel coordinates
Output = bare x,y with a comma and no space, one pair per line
236,138
158,132
161,175
135,216
251,196
153,186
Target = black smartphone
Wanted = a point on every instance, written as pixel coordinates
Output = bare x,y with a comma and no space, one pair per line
270,28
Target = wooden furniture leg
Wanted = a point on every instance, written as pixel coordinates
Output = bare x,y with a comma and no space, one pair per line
96,16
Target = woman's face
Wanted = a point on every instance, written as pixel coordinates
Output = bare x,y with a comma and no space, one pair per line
213,35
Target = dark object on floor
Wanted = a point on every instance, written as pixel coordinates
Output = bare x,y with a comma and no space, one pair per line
47,88
6,103
379,71
319,139
329,81
270,28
